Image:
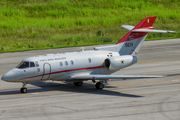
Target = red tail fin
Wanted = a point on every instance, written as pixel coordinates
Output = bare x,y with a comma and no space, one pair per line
131,43
145,23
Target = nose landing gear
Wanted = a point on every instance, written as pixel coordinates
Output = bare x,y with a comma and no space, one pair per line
24,89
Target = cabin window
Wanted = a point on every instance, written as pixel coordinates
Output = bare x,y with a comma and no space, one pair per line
32,64
72,63
66,63
89,59
37,64
23,65
61,64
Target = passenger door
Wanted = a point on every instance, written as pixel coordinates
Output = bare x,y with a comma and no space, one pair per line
46,71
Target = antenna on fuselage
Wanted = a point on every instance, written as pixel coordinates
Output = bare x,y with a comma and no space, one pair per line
82,49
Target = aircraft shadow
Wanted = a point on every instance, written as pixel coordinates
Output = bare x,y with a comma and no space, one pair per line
50,87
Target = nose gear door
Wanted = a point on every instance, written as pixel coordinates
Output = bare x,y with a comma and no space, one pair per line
46,71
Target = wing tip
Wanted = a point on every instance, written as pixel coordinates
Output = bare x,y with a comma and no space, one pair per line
171,32
159,76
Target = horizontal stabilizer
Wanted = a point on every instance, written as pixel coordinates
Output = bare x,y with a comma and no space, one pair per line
105,77
153,31
128,27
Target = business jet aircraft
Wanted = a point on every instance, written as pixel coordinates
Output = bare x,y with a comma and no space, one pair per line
97,64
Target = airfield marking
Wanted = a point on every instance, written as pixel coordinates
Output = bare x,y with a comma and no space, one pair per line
144,82
14,94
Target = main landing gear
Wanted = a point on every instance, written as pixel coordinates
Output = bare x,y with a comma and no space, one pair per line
98,85
78,83
24,89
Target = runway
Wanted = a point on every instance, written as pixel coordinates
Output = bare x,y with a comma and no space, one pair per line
137,99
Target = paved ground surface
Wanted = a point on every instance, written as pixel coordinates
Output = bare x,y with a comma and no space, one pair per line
143,99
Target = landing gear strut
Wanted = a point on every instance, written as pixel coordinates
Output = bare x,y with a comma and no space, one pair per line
24,89
78,83
99,85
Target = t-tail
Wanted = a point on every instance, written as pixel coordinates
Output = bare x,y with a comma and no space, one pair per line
131,43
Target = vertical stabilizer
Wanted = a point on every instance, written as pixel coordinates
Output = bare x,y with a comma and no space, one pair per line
131,42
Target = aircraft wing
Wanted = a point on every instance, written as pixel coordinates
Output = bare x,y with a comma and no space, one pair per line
105,77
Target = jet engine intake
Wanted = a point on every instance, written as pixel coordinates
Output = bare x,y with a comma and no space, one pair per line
119,62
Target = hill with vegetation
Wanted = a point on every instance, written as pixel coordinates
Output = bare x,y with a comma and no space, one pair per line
40,24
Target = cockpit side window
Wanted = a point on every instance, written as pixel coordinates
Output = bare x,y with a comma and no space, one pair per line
37,64
32,64
23,65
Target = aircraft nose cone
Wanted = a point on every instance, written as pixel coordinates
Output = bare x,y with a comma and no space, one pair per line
8,76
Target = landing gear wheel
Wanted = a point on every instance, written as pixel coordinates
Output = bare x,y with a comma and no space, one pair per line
99,85
78,83
23,90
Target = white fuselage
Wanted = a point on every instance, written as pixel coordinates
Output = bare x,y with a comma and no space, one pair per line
62,66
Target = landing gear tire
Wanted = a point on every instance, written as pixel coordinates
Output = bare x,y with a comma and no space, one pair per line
23,90
78,83
99,85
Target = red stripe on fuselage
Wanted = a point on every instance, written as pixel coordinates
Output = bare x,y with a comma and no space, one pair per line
65,71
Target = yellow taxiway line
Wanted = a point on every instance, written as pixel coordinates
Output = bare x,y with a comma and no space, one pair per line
144,82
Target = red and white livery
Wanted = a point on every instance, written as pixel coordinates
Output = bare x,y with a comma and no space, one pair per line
96,65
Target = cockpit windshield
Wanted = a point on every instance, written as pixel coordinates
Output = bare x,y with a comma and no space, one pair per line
25,64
